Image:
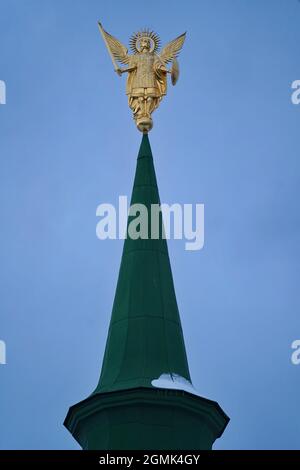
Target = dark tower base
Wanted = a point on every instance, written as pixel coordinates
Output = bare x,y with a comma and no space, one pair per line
145,419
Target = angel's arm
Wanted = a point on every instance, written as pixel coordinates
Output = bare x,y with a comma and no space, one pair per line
161,65
126,69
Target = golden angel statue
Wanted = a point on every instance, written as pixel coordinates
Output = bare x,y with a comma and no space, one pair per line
147,71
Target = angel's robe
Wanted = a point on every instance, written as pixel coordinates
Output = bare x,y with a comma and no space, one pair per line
149,76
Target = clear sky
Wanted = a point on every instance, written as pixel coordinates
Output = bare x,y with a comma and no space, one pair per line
226,136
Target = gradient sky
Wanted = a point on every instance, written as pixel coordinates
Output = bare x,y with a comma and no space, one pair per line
226,136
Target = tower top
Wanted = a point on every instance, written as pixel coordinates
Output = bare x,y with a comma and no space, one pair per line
145,339
144,398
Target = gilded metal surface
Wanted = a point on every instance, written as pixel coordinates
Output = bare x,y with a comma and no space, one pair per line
147,71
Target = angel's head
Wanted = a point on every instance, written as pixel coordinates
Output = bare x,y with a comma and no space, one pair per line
145,44
143,41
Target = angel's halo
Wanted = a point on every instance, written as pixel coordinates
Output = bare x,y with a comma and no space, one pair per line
144,33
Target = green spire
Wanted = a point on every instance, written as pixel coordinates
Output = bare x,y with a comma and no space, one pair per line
145,337
130,408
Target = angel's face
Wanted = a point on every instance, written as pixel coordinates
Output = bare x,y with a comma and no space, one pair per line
145,45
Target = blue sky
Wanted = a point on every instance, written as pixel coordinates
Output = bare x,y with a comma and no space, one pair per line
227,136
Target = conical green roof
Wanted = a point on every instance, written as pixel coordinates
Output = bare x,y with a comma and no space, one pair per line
145,338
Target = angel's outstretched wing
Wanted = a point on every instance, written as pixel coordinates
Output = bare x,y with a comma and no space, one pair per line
116,49
172,49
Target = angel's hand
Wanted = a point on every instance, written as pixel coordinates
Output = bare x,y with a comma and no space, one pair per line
118,71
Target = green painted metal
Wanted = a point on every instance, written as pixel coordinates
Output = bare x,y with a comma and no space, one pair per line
144,418
145,341
145,337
